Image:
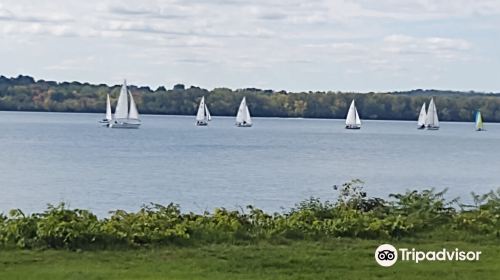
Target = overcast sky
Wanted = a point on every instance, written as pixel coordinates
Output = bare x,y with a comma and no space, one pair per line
358,45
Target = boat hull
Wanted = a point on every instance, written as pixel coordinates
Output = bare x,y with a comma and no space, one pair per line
421,127
123,124
432,127
201,123
244,125
352,127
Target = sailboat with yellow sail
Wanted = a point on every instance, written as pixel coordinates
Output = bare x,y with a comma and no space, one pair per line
479,122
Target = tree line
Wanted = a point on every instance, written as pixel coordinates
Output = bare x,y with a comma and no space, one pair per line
24,93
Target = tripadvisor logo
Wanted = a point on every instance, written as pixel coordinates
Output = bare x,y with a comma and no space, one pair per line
387,255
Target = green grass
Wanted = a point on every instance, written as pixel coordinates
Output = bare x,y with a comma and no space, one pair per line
338,259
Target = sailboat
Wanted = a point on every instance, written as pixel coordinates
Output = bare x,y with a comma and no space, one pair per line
203,116
109,116
431,120
243,118
125,116
352,120
421,118
479,122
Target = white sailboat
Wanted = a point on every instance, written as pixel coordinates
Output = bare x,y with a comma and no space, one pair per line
109,115
125,116
479,122
243,118
432,120
421,118
352,120
203,115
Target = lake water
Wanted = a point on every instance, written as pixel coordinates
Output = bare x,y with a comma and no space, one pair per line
54,157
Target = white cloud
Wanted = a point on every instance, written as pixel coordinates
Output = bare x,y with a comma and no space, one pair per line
228,36
436,47
73,64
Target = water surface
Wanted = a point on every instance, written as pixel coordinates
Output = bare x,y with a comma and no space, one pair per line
54,157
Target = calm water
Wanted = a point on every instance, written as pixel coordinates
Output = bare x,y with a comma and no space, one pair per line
53,157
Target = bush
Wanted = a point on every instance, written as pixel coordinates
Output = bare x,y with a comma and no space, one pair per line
353,214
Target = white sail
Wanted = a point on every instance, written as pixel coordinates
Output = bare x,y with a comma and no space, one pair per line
358,120
209,117
247,114
133,113
431,120
109,115
243,116
352,119
121,111
200,115
422,116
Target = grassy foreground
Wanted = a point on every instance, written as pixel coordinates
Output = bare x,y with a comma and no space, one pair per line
334,259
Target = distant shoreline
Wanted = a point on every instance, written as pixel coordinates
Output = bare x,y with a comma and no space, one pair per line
24,93
231,116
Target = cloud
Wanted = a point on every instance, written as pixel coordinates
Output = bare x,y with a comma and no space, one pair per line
7,15
167,29
151,12
73,64
423,10
439,47
227,36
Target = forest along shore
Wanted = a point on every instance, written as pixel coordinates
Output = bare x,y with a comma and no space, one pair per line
24,93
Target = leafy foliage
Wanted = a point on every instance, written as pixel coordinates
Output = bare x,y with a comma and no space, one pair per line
353,214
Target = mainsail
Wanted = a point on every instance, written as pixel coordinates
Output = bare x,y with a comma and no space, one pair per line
479,121
203,115
421,117
121,111
109,115
243,116
352,120
432,120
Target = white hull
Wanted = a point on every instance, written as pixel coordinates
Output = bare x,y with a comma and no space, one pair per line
124,124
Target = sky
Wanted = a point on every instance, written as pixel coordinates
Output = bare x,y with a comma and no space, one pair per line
294,45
